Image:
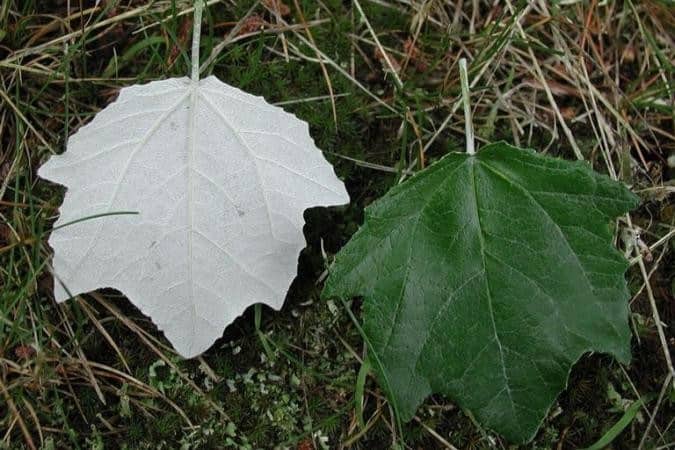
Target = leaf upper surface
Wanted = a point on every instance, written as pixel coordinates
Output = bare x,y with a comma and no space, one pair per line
220,180
485,278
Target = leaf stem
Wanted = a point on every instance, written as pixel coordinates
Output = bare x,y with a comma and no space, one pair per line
196,34
464,81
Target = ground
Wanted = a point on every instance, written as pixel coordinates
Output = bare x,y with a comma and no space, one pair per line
378,82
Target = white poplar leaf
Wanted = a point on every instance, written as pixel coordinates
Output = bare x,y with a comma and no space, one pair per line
220,180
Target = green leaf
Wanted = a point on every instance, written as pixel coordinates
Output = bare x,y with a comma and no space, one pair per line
485,278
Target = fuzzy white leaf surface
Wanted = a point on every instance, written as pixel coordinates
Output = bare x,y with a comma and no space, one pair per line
220,180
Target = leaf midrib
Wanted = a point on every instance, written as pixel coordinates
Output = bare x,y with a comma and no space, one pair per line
194,95
481,240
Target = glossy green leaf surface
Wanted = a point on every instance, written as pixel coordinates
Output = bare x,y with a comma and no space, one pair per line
485,277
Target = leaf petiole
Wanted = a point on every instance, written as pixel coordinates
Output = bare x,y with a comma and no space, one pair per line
196,34
464,81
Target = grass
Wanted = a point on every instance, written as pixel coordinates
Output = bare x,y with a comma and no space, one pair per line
379,84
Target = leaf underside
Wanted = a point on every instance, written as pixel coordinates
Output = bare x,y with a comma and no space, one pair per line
220,180
485,278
